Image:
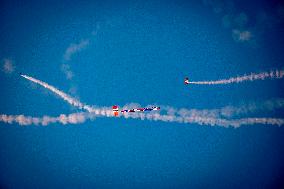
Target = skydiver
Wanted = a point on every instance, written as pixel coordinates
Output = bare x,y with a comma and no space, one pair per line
186,81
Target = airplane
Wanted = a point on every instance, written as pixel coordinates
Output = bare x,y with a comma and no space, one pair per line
186,81
116,111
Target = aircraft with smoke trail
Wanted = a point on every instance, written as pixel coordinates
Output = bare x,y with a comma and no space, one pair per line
116,111
273,74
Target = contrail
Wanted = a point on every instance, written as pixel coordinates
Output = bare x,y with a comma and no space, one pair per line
275,74
78,118
72,101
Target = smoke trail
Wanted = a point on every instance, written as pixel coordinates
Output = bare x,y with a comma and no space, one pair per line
201,117
252,107
214,121
78,118
226,112
75,118
72,101
231,111
276,74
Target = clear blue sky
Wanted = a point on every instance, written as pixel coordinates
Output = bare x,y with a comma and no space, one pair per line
122,52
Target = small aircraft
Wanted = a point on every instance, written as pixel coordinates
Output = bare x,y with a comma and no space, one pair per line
186,81
116,111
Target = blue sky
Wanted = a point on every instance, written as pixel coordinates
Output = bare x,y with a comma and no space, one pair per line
110,52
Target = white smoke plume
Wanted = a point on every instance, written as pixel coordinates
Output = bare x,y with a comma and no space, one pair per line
8,66
65,68
274,74
211,121
72,101
241,36
78,118
75,118
74,48
231,111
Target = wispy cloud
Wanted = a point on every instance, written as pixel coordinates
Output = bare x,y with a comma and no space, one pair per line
74,48
70,51
65,68
8,66
232,19
239,35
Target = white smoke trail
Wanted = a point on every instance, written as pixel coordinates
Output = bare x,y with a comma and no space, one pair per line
201,117
72,101
231,111
226,112
78,118
74,118
275,74
45,120
209,120
252,107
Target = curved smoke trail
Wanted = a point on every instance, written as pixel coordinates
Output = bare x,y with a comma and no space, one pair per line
72,101
275,74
